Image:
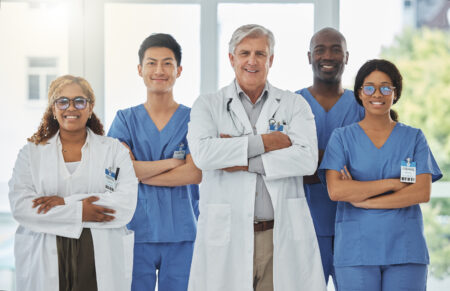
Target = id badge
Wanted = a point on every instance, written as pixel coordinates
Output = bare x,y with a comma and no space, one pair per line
180,153
408,171
110,180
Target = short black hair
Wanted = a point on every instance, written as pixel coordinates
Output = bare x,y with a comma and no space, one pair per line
160,40
384,66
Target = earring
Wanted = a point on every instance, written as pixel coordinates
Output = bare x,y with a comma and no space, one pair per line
54,117
90,116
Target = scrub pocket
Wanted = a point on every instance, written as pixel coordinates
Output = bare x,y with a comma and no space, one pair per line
302,228
218,224
128,245
347,244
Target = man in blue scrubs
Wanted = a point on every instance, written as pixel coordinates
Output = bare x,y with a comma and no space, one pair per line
165,221
333,107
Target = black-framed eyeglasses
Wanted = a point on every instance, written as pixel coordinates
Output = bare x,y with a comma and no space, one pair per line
62,103
385,90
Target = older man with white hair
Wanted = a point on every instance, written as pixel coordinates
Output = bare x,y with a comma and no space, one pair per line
254,143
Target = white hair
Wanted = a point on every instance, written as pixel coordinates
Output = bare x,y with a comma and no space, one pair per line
253,31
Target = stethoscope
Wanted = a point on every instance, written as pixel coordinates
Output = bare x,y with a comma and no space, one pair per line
273,124
242,131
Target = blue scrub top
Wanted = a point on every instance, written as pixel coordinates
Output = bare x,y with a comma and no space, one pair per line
378,236
163,214
346,111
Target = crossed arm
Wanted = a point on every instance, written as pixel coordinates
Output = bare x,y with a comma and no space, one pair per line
272,141
365,194
169,172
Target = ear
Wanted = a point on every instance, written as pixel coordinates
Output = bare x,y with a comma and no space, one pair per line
179,70
139,67
231,57
346,57
271,61
309,57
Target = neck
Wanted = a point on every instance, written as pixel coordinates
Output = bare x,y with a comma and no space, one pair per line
324,89
253,93
160,101
77,137
377,122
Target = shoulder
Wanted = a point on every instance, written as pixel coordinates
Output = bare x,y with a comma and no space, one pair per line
127,112
215,99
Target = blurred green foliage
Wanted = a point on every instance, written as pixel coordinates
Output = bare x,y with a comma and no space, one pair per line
423,58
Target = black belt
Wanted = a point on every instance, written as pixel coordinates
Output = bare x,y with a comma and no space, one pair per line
263,225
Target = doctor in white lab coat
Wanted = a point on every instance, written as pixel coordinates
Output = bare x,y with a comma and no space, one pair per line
72,231
251,139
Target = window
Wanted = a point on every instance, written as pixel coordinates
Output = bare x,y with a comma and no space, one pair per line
41,72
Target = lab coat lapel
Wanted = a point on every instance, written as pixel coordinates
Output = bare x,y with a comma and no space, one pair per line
269,109
48,167
236,107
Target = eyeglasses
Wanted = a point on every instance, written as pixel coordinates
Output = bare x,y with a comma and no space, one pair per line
62,103
369,90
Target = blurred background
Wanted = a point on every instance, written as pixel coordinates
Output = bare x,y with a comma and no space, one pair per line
99,40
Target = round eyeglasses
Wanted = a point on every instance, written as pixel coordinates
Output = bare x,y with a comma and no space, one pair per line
62,103
369,90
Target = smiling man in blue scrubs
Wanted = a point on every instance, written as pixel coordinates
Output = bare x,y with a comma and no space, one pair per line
333,107
165,221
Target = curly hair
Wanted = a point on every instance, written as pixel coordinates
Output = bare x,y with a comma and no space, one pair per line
49,126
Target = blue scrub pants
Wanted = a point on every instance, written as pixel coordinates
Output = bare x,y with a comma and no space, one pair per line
172,260
411,277
326,246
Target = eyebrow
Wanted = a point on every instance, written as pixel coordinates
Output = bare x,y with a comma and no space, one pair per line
381,83
165,59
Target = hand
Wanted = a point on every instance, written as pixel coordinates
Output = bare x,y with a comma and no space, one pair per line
95,213
362,204
47,202
345,174
222,135
275,141
235,169
397,185
129,150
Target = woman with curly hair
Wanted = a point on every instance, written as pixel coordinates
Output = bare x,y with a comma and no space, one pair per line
70,201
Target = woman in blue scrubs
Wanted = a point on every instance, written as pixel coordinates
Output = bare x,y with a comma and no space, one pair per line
379,170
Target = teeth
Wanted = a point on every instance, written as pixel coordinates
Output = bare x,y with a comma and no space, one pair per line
377,103
71,117
250,71
327,67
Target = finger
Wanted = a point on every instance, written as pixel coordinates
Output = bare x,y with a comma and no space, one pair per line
50,205
91,199
45,206
348,173
106,210
342,175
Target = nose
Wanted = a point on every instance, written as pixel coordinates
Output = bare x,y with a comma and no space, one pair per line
327,54
159,68
252,59
71,105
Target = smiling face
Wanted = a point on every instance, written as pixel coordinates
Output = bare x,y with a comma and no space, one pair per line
159,70
328,56
377,103
72,120
251,63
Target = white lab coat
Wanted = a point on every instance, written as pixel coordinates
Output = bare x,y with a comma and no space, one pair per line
40,171
223,252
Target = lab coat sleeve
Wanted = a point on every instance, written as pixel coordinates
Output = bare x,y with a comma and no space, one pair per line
300,159
123,200
208,150
63,220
